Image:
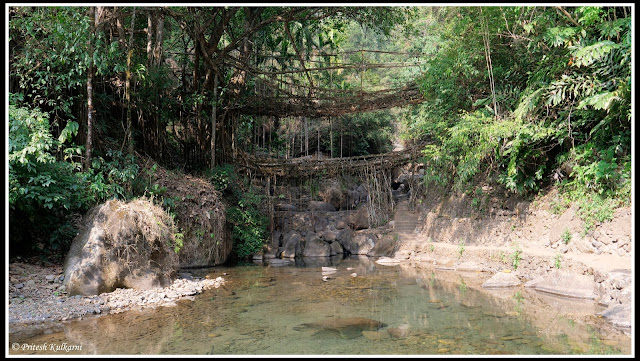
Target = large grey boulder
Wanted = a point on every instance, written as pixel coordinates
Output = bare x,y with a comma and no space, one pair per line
122,245
336,248
321,206
359,219
385,247
333,194
290,245
285,207
316,248
361,242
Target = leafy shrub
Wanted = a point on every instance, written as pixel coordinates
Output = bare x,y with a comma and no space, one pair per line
516,256
222,177
249,223
36,178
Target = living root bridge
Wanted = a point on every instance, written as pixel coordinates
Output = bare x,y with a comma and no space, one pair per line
328,167
326,105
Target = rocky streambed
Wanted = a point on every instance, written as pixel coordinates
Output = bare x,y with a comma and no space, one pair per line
38,299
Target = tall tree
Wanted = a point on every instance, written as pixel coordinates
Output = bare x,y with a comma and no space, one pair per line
93,16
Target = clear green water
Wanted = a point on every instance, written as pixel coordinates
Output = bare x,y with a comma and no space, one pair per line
260,309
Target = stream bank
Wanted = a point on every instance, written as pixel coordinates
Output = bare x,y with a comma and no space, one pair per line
530,239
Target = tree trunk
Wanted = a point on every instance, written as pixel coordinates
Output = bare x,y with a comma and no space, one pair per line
331,135
196,67
149,31
90,73
340,137
129,135
487,54
157,51
213,121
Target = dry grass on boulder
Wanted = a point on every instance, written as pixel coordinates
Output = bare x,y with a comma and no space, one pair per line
122,245
200,217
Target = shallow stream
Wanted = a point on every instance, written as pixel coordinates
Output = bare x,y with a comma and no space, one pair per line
291,310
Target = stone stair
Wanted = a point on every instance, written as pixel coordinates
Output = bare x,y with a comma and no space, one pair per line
405,220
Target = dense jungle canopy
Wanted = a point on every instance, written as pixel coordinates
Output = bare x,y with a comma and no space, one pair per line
522,96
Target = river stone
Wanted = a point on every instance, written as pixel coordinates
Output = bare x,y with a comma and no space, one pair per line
316,248
329,236
469,266
401,331
386,261
347,328
361,242
359,219
290,244
532,283
320,224
277,262
344,236
376,335
502,279
385,247
318,206
100,259
336,248
619,315
567,284
285,207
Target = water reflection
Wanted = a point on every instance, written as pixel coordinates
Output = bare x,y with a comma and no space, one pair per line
260,309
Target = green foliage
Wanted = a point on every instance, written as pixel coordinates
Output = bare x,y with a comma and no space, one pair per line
249,232
460,248
365,133
222,177
563,94
47,190
179,240
557,261
111,177
462,285
516,256
36,178
566,236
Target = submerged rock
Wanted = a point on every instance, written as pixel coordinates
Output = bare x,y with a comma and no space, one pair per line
386,261
347,328
401,331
